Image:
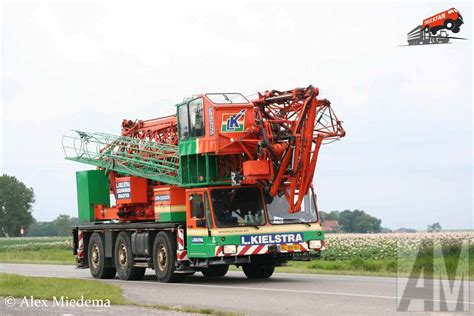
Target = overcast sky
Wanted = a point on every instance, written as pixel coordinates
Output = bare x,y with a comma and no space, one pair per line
407,156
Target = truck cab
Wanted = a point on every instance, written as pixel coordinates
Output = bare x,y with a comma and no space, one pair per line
229,223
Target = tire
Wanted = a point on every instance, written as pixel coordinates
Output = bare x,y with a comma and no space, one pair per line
164,258
255,271
449,24
426,29
123,259
216,271
96,259
456,29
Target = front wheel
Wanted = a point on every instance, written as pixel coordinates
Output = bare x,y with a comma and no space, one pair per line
255,271
456,29
164,258
427,29
216,271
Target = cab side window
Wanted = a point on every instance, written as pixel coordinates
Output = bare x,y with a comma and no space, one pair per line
183,121
196,118
197,206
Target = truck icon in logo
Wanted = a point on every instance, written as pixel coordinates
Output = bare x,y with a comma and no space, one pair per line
450,19
434,30
233,122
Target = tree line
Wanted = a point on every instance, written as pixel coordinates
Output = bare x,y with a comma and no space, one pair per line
356,221
16,202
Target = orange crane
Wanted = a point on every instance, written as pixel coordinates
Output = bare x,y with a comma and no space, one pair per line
224,181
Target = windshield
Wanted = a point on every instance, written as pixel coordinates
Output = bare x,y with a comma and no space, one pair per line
237,207
278,211
227,98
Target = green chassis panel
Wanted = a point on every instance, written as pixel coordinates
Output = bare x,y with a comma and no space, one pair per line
206,249
172,217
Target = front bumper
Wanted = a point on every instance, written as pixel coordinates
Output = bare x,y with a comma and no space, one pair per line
249,250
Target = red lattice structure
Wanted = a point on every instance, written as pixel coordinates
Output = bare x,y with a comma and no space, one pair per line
161,130
292,127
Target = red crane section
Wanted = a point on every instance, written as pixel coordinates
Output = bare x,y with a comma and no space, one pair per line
293,125
161,130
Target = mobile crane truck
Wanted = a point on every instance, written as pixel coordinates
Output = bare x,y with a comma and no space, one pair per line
225,181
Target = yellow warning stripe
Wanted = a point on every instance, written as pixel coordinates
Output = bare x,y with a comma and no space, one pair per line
170,208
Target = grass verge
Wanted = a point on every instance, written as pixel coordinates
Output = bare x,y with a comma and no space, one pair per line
45,256
47,288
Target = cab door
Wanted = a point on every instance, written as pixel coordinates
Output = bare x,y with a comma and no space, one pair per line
199,222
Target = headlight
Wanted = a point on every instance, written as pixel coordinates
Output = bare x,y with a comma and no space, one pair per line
230,249
315,244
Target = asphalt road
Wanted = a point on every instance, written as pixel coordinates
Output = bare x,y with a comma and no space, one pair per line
283,294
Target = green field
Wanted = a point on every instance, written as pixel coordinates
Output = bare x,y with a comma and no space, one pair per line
357,254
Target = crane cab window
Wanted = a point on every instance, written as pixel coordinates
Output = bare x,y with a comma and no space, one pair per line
196,118
191,119
183,121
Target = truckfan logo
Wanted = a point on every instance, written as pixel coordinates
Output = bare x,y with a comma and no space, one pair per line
434,30
233,122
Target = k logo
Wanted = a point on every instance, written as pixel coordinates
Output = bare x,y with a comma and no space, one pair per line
233,122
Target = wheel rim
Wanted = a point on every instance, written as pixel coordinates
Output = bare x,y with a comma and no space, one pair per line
95,256
450,25
122,256
162,258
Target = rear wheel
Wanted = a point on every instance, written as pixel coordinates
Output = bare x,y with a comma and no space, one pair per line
124,259
164,258
216,271
456,29
96,259
256,271
426,29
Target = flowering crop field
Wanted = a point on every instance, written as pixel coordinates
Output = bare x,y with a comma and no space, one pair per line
339,246
35,243
386,246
